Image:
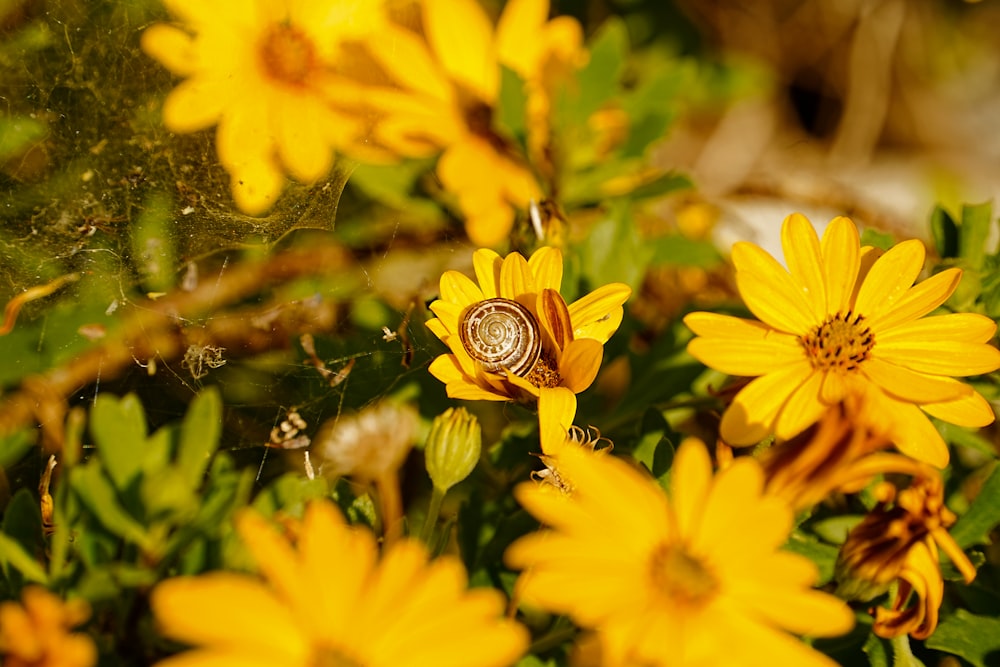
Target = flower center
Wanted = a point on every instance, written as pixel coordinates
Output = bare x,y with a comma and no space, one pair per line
681,577
544,373
842,342
287,54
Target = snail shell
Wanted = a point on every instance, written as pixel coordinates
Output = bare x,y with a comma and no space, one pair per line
501,334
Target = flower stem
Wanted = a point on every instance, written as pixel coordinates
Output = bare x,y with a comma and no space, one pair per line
390,506
433,512
902,656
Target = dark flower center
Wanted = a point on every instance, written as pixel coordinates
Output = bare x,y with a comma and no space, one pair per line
287,54
681,577
842,342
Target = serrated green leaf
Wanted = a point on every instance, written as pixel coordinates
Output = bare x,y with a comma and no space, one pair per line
877,650
119,431
974,526
13,555
199,435
98,495
971,637
974,229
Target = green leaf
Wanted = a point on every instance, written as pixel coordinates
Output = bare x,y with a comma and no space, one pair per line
975,228
598,80
654,447
12,554
611,241
199,438
877,650
823,555
119,431
97,494
835,529
973,638
13,446
964,437
679,250
945,233
974,526
661,185
22,525
18,134
512,109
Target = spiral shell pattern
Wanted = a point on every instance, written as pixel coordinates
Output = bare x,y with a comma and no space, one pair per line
501,334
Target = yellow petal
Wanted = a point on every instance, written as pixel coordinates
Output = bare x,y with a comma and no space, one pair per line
546,266
275,558
487,264
194,105
714,325
746,357
553,316
227,610
172,47
751,416
770,292
690,481
518,33
457,288
917,301
909,429
407,59
301,132
965,327
971,411
256,186
579,363
515,277
889,279
461,36
245,137
908,385
841,263
556,411
805,263
941,357
599,314
802,409
448,317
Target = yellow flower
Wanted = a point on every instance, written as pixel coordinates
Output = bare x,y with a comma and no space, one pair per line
694,579
846,320
266,74
330,600
37,633
556,431
899,540
448,93
567,340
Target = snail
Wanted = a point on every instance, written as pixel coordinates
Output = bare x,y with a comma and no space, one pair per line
501,334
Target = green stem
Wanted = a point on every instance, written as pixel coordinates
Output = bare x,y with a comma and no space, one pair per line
433,512
902,656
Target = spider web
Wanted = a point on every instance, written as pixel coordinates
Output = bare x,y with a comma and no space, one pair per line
105,212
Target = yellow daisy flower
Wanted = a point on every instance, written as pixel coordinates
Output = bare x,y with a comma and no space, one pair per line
846,320
37,631
330,600
448,93
661,580
265,73
512,336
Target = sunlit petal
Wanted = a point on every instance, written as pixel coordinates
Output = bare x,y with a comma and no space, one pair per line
803,256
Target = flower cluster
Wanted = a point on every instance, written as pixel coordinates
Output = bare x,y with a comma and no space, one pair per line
292,82
38,631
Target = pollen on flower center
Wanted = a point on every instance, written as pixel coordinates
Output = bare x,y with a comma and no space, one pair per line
329,656
545,373
681,577
287,54
842,342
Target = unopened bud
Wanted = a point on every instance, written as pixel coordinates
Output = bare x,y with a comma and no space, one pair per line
453,447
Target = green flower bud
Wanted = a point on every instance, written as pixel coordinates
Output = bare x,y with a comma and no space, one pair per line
453,447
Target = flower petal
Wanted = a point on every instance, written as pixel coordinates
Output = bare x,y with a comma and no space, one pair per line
746,357
805,263
546,266
553,316
966,327
172,47
579,363
516,278
486,264
972,411
802,409
556,410
195,104
906,426
889,279
769,291
941,357
599,314
461,36
841,263
751,416
908,385
917,301
690,481
459,289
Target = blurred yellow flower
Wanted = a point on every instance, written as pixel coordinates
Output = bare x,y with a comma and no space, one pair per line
697,579
846,320
267,74
512,336
448,93
330,600
36,633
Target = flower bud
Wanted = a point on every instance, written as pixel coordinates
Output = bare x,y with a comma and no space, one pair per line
453,447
